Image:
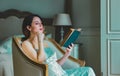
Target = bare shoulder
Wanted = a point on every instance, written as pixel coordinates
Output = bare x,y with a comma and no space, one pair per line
26,43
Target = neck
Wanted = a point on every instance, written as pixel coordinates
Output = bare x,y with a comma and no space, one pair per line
34,41
33,38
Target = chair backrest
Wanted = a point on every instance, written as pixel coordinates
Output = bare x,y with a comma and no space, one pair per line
23,66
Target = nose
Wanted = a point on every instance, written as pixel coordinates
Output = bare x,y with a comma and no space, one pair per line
40,25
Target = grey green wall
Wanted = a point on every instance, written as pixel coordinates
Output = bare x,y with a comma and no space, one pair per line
45,8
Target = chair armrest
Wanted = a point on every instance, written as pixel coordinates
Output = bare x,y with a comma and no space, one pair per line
43,66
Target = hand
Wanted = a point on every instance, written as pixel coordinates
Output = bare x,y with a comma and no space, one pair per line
40,36
69,49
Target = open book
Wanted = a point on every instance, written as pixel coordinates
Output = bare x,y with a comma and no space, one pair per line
71,36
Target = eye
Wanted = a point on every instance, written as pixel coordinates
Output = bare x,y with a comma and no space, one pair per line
37,23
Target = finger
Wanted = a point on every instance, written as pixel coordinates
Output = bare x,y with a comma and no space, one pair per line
68,50
71,44
69,47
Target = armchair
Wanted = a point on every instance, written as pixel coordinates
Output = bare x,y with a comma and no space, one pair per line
23,66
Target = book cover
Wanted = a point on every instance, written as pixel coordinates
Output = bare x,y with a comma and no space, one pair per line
71,36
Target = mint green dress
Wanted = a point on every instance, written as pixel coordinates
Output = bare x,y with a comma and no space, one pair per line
56,70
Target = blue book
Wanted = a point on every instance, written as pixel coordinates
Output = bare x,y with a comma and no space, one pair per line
71,36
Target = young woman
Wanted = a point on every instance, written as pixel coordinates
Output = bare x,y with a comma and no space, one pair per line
37,49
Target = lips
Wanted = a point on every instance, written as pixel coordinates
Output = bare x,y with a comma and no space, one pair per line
41,29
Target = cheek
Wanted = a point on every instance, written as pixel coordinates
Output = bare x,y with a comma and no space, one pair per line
38,30
35,29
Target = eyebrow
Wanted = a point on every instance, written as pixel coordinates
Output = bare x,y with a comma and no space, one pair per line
37,21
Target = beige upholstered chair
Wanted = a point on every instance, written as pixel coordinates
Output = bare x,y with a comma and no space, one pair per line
23,66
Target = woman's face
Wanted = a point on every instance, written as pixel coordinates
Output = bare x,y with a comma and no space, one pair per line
36,26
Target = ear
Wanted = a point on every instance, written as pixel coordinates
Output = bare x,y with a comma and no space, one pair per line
28,27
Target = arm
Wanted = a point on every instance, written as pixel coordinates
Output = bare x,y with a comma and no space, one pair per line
41,52
31,53
66,55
